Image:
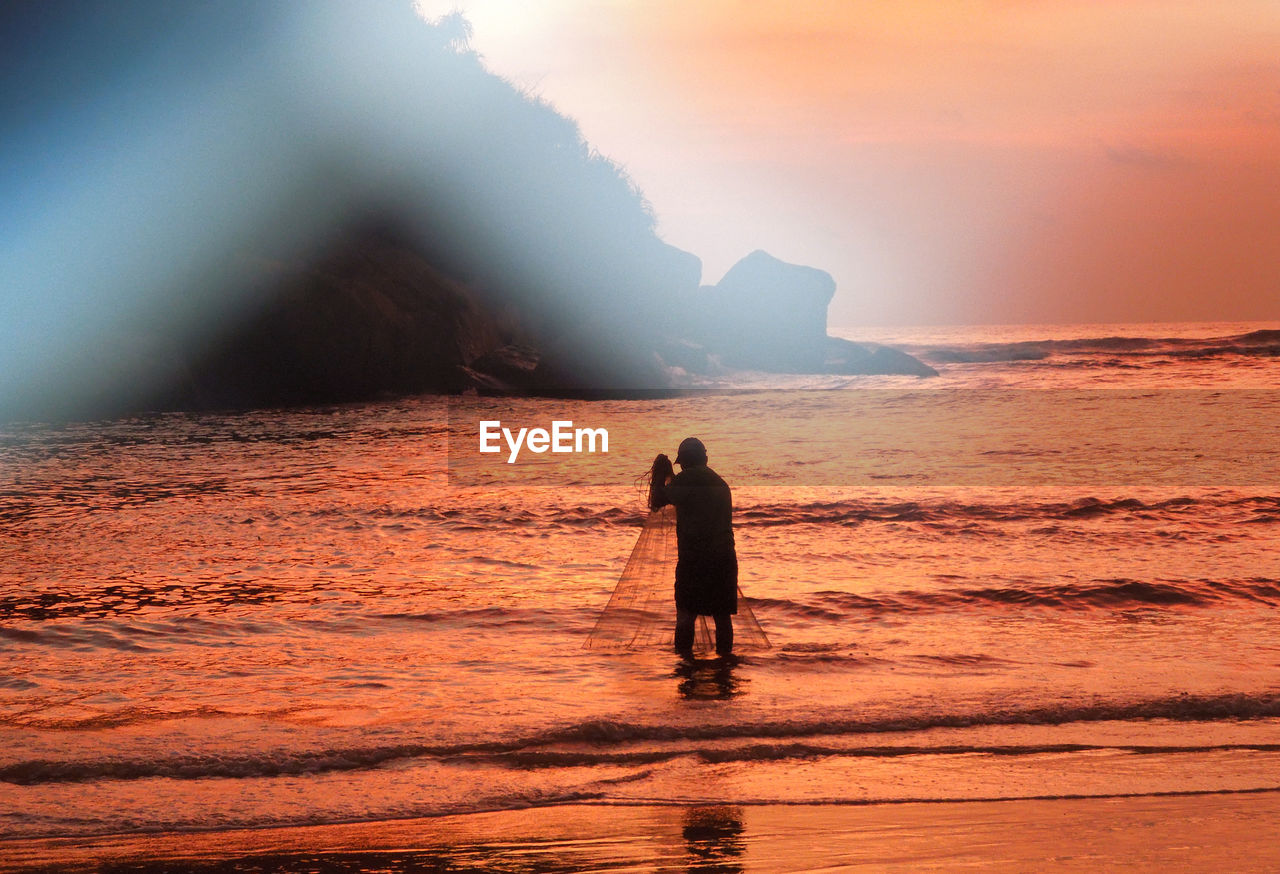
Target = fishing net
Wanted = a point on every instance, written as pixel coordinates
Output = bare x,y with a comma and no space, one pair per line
642,610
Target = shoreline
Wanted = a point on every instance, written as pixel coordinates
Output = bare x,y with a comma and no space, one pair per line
1178,831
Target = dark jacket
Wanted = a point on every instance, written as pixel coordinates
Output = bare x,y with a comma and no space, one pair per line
707,565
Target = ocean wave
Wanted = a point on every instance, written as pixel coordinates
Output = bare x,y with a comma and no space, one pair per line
127,598
765,740
60,622
476,617
1263,343
1114,594
86,629
772,752
1203,510
1179,708
191,767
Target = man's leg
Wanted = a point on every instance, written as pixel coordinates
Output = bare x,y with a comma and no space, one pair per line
684,632
724,633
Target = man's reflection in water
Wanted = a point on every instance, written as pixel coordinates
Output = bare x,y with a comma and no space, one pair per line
709,679
713,838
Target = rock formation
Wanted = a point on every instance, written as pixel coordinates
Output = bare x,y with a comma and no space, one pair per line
375,316
766,314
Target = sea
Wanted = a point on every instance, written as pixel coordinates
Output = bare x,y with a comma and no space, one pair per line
1049,572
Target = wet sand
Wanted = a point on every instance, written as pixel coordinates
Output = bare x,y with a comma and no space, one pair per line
1211,832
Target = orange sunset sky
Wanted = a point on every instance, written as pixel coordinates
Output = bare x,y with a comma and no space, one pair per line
967,161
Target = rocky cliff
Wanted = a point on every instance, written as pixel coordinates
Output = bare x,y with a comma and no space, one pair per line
374,316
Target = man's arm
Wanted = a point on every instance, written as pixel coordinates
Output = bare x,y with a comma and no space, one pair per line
676,491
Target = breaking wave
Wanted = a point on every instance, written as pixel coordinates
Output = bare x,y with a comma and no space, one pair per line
1219,509
605,740
1113,594
1259,344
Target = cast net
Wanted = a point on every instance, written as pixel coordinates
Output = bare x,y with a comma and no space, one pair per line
642,610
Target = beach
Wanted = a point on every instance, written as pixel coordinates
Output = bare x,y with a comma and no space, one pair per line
1172,833
337,639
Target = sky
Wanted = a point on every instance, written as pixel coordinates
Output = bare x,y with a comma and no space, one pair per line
950,162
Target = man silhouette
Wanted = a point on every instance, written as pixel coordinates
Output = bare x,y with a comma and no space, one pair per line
706,565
